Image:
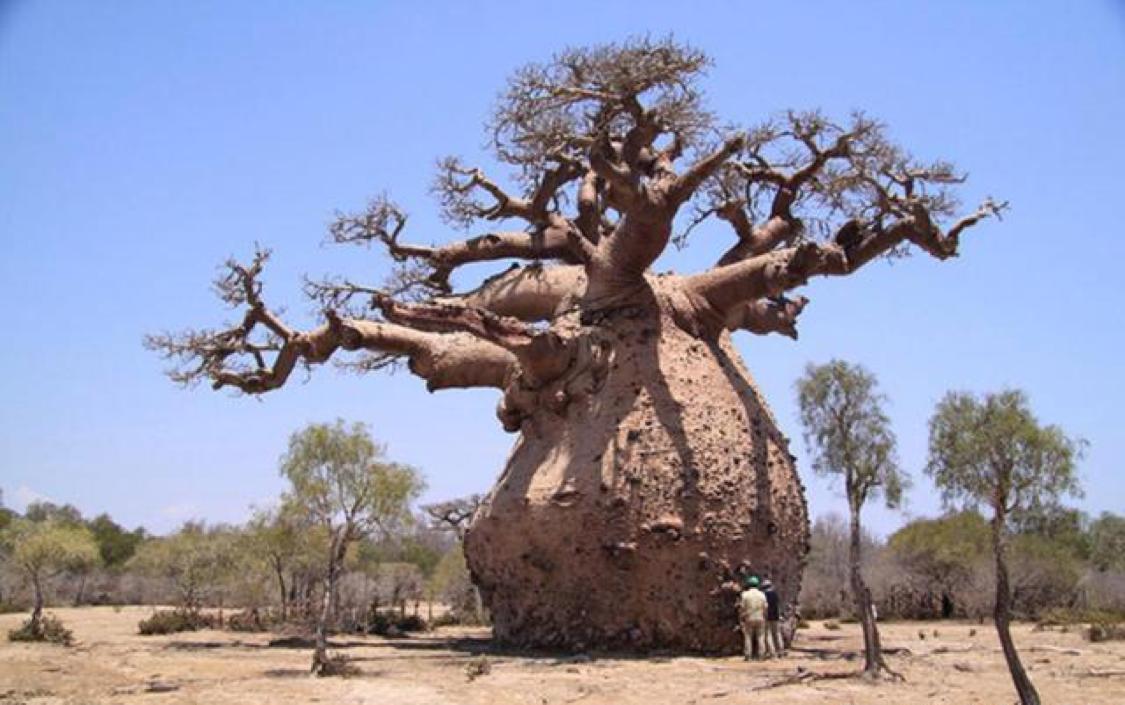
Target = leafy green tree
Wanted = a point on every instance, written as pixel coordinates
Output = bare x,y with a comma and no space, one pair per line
43,550
341,481
43,510
194,560
850,437
1107,542
992,452
944,553
115,544
279,537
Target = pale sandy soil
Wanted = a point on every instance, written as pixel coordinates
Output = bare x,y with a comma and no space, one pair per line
112,664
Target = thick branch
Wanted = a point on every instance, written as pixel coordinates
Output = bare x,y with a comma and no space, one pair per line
728,287
689,182
542,355
764,316
530,293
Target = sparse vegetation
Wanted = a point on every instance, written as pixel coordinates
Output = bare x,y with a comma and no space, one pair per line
48,628
173,621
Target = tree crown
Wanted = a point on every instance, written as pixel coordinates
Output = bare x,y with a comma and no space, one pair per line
992,451
339,477
848,432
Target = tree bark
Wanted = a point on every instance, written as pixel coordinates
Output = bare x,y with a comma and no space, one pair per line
282,593
335,560
623,517
872,648
37,606
1001,613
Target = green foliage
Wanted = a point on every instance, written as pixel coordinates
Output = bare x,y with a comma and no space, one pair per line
1107,542
945,550
115,544
42,511
194,560
848,432
46,548
452,584
174,621
340,478
49,628
993,452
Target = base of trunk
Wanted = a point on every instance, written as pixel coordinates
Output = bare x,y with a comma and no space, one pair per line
626,520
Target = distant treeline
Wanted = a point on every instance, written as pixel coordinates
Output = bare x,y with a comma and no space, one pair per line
271,563
1060,558
930,568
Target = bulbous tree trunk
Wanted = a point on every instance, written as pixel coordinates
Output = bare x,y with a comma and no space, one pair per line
624,520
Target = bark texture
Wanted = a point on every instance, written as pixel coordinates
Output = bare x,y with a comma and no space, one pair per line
622,521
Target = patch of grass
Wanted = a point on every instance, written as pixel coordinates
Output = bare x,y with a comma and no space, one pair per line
50,629
173,621
832,625
10,607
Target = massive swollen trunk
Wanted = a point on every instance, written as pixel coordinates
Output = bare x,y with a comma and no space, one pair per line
624,518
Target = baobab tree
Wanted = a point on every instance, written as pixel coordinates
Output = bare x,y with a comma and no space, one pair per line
648,470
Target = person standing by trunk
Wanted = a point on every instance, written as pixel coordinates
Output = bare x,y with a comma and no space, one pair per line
751,615
773,621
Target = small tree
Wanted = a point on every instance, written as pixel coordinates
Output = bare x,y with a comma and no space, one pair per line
850,436
43,550
992,452
193,560
341,481
1107,542
276,536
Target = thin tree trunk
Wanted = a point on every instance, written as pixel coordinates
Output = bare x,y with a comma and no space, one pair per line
81,590
281,589
335,560
1001,614
37,607
320,655
872,648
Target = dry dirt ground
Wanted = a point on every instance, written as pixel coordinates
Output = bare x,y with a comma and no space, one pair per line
111,663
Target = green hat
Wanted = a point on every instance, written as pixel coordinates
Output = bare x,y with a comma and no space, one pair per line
752,581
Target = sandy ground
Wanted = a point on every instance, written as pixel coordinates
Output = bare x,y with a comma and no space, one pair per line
111,663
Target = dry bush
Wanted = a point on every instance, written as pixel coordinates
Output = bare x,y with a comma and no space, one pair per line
173,621
337,665
1105,631
50,629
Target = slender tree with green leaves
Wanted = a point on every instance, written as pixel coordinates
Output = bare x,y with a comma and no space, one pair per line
42,550
850,436
992,452
341,480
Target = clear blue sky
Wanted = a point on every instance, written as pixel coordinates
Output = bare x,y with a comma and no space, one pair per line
143,142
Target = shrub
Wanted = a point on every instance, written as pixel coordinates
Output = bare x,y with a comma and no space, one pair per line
337,665
385,624
246,621
172,621
832,625
10,607
50,629
1106,631
480,666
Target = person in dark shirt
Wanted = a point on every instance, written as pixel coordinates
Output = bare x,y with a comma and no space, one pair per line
773,621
